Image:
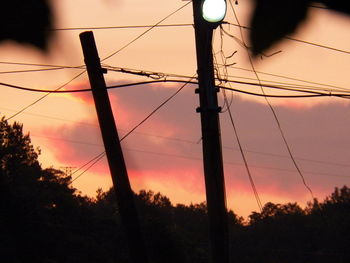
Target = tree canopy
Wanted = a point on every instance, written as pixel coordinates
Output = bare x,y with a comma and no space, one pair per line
44,219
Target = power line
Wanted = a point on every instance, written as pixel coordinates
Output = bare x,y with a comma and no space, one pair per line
30,70
286,85
114,53
256,194
310,95
194,143
296,40
121,27
40,65
101,155
43,97
166,138
199,158
228,105
90,164
145,32
160,75
290,78
273,112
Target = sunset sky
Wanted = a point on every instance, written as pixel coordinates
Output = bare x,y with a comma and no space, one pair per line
164,154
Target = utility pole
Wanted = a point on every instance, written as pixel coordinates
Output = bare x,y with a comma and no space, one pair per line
211,138
122,188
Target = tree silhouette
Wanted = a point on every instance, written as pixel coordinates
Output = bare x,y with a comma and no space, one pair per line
44,219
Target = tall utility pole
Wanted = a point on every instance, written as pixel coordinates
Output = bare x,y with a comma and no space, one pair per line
113,149
211,138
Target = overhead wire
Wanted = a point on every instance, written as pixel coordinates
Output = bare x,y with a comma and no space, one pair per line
274,114
228,105
307,93
30,70
121,27
250,176
43,97
291,78
40,65
296,40
107,57
145,32
101,155
199,158
292,86
167,138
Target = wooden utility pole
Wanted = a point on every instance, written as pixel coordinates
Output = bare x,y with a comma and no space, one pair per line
113,149
211,138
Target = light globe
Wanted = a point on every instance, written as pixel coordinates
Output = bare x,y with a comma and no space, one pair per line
214,11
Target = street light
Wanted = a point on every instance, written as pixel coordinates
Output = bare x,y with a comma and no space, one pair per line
214,11
208,14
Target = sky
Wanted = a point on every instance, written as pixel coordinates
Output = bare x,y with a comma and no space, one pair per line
164,154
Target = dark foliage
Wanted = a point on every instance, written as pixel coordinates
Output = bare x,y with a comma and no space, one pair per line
26,22
274,19
44,219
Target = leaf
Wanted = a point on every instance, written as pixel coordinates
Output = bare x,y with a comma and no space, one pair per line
26,22
274,19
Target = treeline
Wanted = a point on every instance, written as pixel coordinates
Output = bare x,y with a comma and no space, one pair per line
44,219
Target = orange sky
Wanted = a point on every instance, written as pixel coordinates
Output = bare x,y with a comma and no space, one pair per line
164,153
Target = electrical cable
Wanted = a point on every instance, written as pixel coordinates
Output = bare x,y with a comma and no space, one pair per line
228,105
158,75
40,65
274,114
101,155
199,158
43,97
120,27
335,88
30,70
145,32
296,40
310,95
111,55
256,194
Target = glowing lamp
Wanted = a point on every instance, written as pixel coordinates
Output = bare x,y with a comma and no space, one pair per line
214,11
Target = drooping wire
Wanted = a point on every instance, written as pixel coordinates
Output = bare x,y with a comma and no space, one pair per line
97,158
111,55
307,93
228,104
43,97
274,113
296,40
256,194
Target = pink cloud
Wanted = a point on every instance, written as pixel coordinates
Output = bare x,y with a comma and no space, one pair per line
163,153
